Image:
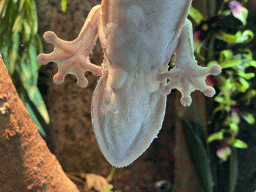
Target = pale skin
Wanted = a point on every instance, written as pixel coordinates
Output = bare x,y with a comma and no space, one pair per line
138,38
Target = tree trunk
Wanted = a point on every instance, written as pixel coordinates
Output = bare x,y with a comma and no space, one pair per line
26,164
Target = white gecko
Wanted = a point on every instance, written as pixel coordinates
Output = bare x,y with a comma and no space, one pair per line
138,38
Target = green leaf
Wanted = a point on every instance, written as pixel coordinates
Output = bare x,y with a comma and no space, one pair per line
14,52
25,76
199,131
247,76
21,4
26,31
18,23
253,63
199,157
5,55
198,49
196,15
36,97
106,188
219,99
229,38
234,128
239,37
242,16
230,63
34,117
246,36
110,176
39,43
225,55
64,5
215,136
2,5
240,144
33,64
244,83
34,17
248,117
233,170
219,108
211,63
29,20
249,96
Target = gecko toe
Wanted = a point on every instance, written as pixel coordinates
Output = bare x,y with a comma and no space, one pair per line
82,82
97,71
58,78
161,76
215,69
186,101
209,92
42,59
49,36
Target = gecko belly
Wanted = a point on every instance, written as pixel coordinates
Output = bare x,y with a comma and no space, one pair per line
126,120
141,35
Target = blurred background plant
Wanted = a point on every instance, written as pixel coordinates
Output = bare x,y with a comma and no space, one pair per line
19,45
214,152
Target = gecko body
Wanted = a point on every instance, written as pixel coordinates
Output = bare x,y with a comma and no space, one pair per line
138,38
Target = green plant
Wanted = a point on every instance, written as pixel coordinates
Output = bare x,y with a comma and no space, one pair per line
19,45
198,149
203,158
64,5
234,94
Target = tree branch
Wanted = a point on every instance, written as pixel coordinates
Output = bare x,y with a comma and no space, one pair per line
26,164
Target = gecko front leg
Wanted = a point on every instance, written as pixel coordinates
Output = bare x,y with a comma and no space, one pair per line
73,57
187,76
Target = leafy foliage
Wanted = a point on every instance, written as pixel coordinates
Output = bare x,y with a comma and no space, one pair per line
199,153
234,92
19,45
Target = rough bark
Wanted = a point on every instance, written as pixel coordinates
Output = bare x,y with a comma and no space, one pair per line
26,164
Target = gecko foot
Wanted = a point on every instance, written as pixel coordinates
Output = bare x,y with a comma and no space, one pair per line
71,58
188,79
